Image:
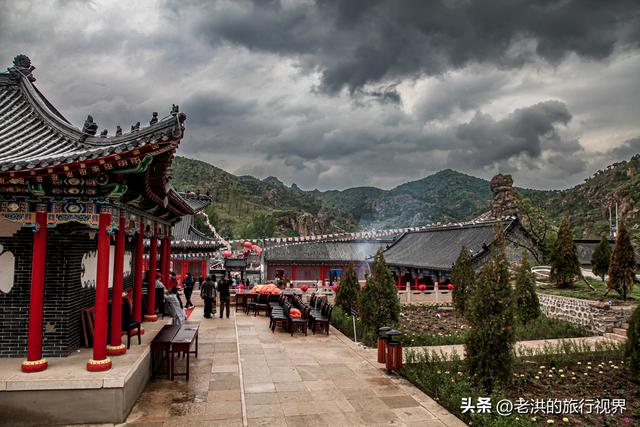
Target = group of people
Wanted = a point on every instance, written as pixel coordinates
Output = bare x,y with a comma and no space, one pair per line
208,291
209,287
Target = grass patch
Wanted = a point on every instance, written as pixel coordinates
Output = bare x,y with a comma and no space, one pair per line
563,371
581,290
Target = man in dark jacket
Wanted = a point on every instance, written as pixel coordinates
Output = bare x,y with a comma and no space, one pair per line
208,294
225,296
188,288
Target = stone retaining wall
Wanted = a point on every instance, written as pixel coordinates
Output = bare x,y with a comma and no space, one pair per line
597,316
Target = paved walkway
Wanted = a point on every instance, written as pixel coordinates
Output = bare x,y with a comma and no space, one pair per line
245,375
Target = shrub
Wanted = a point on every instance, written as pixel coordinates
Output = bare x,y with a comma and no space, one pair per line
623,264
632,349
564,257
489,344
601,258
463,278
379,305
349,290
526,298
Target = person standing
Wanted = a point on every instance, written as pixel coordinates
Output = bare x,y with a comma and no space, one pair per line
208,294
173,287
225,296
189,283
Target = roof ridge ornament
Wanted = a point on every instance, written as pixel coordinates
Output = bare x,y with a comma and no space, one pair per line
89,128
22,68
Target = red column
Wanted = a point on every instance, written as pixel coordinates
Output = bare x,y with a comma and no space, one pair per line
322,274
293,273
151,278
35,362
167,243
399,279
100,361
138,270
203,268
417,280
115,346
183,269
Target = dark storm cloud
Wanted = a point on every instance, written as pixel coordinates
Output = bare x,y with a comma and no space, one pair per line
627,149
354,43
523,132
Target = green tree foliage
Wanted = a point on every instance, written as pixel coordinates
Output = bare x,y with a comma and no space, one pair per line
489,343
379,305
623,263
348,290
601,258
632,349
261,226
463,278
535,221
526,299
565,265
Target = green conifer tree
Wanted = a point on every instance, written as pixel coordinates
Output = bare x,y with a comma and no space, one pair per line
623,263
379,304
489,343
348,290
527,304
565,265
463,278
601,258
632,349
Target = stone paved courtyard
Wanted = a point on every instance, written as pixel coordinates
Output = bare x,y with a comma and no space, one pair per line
245,375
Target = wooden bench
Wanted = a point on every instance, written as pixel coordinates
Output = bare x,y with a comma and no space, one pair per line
181,343
162,344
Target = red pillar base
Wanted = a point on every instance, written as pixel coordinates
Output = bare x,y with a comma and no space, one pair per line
134,332
99,365
150,317
116,350
34,365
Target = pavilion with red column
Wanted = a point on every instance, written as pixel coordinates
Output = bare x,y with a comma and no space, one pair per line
75,208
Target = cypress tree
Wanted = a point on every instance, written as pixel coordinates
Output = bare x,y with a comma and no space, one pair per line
623,263
463,278
564,257
489,343
349,290
601,258
525,296
379,304
632,349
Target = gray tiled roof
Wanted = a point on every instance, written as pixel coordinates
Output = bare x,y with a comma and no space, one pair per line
325,251
438,248
33,134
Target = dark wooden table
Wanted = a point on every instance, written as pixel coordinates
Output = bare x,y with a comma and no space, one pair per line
181,343
162,344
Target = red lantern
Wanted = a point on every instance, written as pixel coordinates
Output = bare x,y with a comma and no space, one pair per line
422,287
245,253
335,288
227,254
258,250
241,287
248,245
450,286
304,288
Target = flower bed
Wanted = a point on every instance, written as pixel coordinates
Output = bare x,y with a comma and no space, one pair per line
568,371
427,325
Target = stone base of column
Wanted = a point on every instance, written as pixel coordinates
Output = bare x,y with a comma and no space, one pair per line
99,365
150,317
116,350
34,365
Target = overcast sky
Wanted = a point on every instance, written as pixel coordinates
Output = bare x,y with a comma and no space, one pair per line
335,94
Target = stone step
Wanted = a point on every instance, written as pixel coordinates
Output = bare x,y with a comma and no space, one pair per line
620,331
616,337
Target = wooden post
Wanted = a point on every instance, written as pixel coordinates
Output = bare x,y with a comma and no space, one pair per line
100,361
138,271
115,346
35,362
151,277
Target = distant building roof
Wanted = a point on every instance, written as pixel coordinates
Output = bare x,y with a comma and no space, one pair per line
438,248
326,251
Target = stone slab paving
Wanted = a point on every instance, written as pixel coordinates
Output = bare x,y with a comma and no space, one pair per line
247,376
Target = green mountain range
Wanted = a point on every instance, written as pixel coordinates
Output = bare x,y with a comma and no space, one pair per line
240,201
